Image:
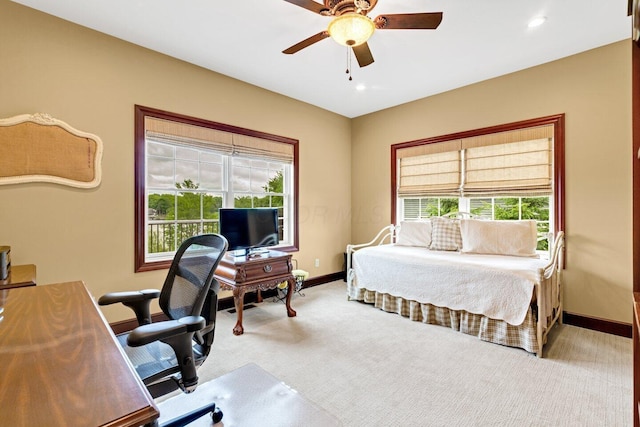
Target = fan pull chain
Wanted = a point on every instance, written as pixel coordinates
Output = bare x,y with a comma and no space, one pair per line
349,63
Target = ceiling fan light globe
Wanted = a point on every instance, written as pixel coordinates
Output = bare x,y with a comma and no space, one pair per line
537,21
351,29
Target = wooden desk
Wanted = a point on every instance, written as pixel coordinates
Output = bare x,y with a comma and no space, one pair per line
61,364
262,272
19,276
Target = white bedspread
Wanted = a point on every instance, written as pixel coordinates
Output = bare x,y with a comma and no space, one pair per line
499,287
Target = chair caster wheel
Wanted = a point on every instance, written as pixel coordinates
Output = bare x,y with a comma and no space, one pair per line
216,415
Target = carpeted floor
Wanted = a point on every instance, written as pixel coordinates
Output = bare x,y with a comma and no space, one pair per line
371,368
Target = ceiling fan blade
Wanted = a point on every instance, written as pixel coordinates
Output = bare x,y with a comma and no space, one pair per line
409,21
363,54
306,42
310,5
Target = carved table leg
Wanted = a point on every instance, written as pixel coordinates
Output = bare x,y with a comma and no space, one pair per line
238,300
290,290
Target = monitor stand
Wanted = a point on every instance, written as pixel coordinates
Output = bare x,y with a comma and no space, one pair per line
250,253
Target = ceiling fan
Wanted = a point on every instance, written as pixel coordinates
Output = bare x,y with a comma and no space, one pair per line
352,27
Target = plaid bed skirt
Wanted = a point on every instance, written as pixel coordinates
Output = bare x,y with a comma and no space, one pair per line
487,329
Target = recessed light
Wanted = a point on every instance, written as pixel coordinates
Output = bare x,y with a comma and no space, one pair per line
537,21
361,87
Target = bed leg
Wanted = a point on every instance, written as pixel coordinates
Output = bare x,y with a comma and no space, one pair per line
541,319
540,339
560,315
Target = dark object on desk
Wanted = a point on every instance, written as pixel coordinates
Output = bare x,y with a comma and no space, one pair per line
5,262
166,354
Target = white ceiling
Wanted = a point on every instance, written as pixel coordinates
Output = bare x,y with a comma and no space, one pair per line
244,39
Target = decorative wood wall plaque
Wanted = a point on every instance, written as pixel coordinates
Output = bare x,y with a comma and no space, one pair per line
39,148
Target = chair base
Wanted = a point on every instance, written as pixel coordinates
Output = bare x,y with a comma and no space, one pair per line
184,419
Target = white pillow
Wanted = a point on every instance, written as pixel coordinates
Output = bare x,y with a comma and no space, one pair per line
414,233
445,234
516,238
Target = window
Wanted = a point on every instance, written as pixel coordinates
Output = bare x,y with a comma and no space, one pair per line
500,208
507,172
418,208
187,169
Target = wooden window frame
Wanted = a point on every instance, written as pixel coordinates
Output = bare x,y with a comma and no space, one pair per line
558,160
140,178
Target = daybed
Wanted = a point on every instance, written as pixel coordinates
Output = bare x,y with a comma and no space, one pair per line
480,277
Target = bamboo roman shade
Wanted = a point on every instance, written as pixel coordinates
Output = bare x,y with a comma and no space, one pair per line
516,168
430,174
173,132
505,163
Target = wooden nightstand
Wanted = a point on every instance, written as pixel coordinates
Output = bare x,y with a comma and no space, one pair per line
20,276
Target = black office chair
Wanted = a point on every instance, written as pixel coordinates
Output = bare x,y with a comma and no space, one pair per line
166,354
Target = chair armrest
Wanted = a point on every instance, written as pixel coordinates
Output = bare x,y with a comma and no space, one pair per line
130,296
138,301
146,334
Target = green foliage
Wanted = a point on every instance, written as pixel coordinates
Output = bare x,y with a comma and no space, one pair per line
210,206
275,184
196,205
187,184
532,208
189,205
448,206
430,206
242,202
162,204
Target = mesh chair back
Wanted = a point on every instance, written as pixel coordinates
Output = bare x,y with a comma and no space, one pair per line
191,274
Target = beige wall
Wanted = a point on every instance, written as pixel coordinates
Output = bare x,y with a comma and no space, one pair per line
92,81
593,89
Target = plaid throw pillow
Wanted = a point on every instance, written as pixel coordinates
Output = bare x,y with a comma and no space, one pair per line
445,234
